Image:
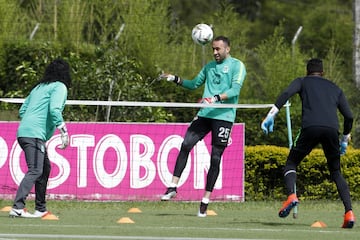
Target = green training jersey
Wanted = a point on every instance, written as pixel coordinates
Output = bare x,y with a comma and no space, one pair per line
41,111
227,78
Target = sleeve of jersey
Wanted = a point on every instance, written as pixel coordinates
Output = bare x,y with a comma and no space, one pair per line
196,82
23,107
292,89
57,103
346,112
239,74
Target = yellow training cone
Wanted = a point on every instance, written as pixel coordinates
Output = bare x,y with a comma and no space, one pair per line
50,216
319,224
134,210
6,209
125,220
211,213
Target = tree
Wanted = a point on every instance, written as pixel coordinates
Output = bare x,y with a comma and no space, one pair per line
122,45
356,39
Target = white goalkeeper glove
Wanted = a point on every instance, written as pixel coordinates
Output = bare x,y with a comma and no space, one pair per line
344,142
211,100
267,124
64,136
171,78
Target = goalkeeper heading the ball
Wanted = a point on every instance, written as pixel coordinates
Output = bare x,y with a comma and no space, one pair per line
41,114
320,125
223,79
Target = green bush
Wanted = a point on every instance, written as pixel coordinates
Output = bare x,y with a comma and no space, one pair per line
264,174
110,77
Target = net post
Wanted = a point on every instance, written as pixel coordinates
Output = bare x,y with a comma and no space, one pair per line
288,123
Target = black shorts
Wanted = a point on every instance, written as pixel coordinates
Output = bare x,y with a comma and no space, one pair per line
309,138
220,130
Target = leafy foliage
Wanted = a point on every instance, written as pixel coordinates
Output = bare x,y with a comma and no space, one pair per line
117,48
278,65
264,174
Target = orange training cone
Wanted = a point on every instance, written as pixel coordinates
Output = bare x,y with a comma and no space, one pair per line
319,224
125,220
6,209
50,216
134,210
211,213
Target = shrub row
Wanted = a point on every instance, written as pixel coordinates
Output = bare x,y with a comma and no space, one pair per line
264,174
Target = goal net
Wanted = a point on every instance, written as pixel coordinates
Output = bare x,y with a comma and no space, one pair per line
126,160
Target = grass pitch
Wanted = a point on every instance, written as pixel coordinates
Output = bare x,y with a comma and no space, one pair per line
177,220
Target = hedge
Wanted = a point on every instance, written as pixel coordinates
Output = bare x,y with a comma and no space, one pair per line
264,174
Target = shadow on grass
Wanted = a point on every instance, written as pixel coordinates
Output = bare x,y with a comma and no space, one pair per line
175,214
270,224
282,224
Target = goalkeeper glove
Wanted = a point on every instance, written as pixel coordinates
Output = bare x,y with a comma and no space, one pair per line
210,100
344,142
171,78
267,124
64,136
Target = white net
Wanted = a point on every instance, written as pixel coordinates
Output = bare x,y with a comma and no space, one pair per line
126,160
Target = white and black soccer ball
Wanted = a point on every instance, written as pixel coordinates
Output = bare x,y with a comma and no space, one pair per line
202,34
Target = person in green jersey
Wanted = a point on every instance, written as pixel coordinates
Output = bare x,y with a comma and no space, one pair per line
41,114
223,79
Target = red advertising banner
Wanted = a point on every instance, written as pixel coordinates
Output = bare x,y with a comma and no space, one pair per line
125,161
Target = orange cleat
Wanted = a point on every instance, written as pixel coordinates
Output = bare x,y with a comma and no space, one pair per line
290,203
349,220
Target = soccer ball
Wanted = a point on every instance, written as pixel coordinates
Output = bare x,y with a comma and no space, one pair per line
202,34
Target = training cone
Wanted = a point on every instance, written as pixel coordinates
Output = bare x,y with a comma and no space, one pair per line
134,210
319,224
211,213
125,220
6,209
50,216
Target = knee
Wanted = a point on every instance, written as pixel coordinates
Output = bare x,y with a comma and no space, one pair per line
34,173
335,175
289,169
216,156
186,146
291,164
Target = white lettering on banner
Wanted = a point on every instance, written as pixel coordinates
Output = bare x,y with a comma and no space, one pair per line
4,152
202,163
14,163
167,145
105,179
82,142
61,162
141,160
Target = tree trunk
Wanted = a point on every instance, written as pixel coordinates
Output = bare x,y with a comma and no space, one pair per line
356,51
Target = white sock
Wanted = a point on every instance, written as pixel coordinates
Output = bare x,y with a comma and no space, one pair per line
173,185
205,200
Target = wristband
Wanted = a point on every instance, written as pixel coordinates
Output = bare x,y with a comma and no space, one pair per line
217,98
273,111
177,80
62,128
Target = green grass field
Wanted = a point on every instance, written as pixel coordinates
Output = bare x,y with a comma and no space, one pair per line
178,220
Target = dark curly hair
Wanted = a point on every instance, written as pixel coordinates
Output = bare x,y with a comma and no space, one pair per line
57,70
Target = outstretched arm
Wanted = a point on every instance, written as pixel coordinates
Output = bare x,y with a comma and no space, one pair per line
267,124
